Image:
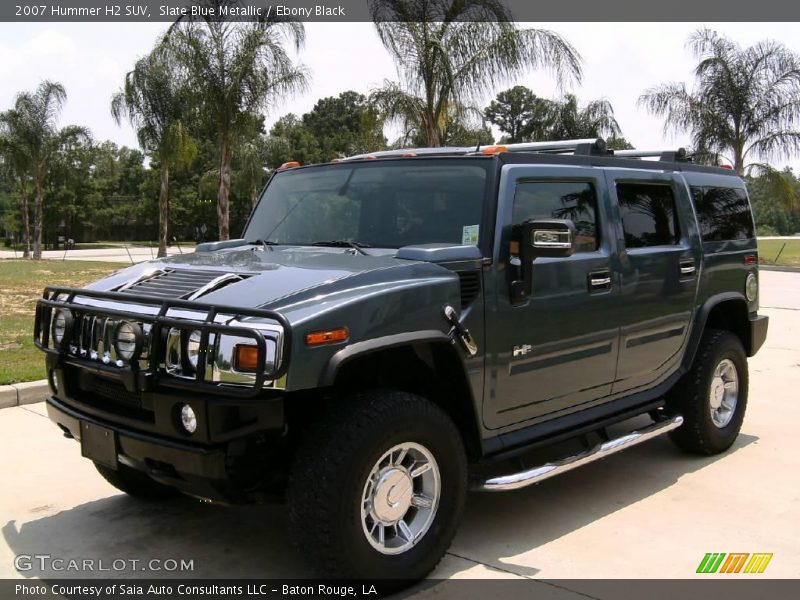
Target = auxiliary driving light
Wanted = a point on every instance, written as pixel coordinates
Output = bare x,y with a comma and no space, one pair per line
62,324
193,348
188,419
128,340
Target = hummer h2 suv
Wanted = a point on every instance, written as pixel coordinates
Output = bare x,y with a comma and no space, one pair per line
395,329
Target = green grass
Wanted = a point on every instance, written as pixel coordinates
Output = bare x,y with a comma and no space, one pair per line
21,284
768,251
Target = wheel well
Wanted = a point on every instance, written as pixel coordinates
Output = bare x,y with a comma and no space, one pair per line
732,316
431,370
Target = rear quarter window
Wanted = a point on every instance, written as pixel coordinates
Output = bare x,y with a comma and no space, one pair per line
723,214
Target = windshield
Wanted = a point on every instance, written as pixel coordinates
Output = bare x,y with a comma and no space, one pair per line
379,204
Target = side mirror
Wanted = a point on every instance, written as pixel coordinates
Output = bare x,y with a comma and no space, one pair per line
551,238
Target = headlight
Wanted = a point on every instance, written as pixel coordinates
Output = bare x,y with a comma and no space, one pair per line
128,340
193,348
751,287
62,323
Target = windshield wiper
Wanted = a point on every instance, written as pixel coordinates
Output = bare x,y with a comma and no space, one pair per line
342,244
265,243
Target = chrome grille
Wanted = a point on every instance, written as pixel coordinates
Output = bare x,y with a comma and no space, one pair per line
92,339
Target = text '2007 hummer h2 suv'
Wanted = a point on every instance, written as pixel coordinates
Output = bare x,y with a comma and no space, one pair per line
396,328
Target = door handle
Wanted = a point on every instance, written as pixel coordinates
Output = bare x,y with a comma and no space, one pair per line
599,281
687,267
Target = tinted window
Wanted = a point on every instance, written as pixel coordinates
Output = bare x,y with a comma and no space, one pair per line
560,200
648,214
723,214
381,204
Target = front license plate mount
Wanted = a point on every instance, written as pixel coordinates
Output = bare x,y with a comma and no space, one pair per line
99,444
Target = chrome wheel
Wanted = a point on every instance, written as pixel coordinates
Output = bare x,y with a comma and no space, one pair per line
724,393
400,498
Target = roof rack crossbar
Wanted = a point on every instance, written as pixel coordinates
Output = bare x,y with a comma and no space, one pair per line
679,155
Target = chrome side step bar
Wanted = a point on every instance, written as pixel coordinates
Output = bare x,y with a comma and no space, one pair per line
523,479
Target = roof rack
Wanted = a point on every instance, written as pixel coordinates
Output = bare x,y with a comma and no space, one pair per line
579,147
583,146
679,155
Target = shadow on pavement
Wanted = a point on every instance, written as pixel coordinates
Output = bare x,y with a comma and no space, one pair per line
242,542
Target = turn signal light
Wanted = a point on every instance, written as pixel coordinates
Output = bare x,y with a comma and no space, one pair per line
331,336
245,358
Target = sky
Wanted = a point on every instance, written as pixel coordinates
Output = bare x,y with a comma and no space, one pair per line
620,61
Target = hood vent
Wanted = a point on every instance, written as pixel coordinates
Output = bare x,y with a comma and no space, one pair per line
470,286
181,283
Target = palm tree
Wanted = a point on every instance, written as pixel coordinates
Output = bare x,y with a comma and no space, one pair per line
12,151
746,101
36,115
153,100
565,120
237,69
450,53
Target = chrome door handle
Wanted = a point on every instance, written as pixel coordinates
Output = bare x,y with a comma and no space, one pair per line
687,267
599,281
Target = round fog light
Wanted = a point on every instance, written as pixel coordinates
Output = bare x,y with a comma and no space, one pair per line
188,419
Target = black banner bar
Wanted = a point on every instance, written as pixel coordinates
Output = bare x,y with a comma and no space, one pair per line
714,586
105,11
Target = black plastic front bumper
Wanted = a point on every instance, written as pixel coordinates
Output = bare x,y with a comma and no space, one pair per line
211,472
758,332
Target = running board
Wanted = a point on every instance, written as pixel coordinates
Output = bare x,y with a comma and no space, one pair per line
523,479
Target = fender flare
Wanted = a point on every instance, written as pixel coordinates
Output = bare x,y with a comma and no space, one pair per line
700,319
360,349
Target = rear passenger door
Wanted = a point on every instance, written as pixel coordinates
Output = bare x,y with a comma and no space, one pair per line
659,263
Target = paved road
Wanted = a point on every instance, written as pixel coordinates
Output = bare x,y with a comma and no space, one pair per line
132,254
649,512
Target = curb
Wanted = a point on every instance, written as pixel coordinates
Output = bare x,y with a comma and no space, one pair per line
20,394
783,269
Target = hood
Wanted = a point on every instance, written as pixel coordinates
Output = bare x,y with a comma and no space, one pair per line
274,277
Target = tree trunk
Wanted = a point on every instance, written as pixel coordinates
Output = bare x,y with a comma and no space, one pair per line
163,210
26,224
738,161
38,215
431,131
223,209
253,196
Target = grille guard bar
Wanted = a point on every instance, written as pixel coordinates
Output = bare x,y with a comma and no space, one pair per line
137,378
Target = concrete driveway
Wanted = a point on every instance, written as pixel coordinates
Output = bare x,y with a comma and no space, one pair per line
649,512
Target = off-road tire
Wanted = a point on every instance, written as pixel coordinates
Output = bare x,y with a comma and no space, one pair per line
136,484
690,396
331,467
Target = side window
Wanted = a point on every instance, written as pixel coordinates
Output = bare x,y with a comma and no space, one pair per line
575,200
648,214
723,214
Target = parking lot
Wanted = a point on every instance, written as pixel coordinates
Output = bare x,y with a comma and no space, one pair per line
649,512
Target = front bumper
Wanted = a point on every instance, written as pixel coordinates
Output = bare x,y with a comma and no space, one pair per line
758,332
227,473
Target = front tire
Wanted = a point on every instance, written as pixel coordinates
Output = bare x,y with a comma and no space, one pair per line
712,396
377,488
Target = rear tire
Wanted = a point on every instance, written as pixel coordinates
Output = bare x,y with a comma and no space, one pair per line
712,396
377,488
136,484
